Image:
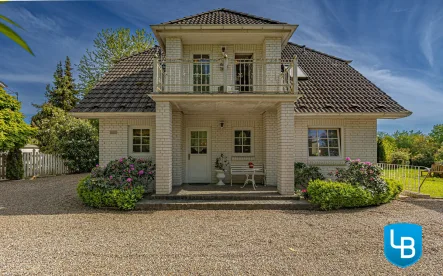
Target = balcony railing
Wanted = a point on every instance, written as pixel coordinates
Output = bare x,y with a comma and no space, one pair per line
225,76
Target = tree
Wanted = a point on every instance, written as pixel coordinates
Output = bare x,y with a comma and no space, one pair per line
405,139
7,31
437,134
63,93
385,147
14,164
74,140
14,132
109,47
439,155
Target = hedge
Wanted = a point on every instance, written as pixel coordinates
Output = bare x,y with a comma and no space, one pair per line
335,195
102,197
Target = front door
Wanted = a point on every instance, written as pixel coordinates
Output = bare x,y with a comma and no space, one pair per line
198,156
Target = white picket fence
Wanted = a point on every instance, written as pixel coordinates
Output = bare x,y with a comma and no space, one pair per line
37,164
410,176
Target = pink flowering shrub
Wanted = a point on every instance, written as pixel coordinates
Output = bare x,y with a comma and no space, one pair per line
362,174
120,184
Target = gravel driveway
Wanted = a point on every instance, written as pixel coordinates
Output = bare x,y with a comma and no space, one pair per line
45,229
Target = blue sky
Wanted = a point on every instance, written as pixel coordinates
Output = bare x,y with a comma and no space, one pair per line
396,44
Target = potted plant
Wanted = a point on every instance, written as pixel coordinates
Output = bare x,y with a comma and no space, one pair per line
251,165
221,164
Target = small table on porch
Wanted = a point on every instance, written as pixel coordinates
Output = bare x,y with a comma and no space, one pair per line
250,172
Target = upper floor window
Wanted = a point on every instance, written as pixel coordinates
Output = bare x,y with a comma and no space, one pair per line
324,142
201,73
243,141
141,140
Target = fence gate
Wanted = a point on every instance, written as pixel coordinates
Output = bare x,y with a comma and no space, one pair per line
36,163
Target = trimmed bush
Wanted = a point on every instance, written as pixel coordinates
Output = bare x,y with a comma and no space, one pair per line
335,195
14,165
304,173
99,197
120,184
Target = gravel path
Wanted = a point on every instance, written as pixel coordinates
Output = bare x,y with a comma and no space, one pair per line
45,229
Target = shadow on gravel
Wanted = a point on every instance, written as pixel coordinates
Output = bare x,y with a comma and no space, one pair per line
431,204
45,196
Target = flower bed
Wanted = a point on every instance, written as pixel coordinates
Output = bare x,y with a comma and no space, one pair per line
120,184
359,184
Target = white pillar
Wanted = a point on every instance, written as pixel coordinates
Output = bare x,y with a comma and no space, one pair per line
163,153
272,54
270,145
286,148
177,148
174,53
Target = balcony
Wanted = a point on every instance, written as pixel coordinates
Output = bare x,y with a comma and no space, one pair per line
202,75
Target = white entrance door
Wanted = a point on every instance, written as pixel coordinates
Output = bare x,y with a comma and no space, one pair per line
198,156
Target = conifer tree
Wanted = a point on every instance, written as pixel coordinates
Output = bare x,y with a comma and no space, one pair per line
63,93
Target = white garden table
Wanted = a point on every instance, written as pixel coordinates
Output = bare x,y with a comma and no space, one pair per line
250,172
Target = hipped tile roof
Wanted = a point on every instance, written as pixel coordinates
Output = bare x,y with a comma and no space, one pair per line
222,16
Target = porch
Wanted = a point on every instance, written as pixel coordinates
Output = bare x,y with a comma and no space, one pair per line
187,146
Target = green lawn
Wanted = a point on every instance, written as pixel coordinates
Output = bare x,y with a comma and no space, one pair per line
433,186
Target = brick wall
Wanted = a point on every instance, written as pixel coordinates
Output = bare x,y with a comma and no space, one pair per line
270,146
272,51
114,137
358,140
174,50
286,148
178,146
163,148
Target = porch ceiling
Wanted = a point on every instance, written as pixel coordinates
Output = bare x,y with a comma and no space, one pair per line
223,103
223,107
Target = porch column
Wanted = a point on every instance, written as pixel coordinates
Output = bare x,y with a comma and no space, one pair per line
270,145
163,153
174,51
286,148
272,54
177,148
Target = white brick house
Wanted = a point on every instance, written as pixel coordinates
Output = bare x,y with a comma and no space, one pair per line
229,82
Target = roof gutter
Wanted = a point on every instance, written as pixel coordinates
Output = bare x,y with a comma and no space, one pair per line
375,115
100,115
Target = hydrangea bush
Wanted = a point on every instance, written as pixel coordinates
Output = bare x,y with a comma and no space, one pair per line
120,184
362,174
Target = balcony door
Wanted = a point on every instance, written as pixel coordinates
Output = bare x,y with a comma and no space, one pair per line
201,73
198,164
244,72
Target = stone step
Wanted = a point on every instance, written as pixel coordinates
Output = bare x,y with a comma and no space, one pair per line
226,196
158,204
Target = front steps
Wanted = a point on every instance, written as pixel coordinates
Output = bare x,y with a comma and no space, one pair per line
223,202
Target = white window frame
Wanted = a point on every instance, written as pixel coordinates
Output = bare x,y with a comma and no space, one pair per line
130,144
340,143
252,141
191,81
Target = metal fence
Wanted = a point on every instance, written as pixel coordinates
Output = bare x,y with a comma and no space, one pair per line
37,164
412,177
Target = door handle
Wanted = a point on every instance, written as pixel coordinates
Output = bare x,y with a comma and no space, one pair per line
189,156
